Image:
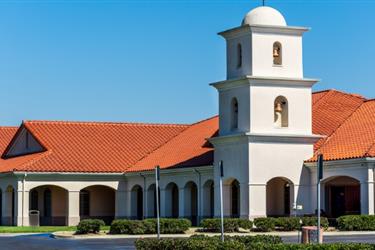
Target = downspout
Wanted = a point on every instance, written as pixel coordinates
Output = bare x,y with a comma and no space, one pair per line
144,195
23,197
199,196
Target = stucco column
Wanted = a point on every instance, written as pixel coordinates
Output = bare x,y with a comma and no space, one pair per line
367,194
371,194
181,203
22,208
120,211
162,202
73,208
257,204
244,200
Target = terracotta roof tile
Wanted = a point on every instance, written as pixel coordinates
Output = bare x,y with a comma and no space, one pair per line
189,148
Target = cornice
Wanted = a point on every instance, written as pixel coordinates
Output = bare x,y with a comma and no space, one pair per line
264,81
248,29
260,137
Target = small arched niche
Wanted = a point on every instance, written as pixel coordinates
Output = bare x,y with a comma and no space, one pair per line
239,55
234,114
281,112
277,53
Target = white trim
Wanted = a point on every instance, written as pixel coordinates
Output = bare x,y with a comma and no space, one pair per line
249,80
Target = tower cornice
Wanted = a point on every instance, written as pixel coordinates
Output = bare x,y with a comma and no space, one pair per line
240,30
263,81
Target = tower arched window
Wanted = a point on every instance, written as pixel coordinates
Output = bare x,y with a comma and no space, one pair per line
277,53
281,112
239,55
234,114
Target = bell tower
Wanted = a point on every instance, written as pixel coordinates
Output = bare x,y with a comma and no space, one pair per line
265,128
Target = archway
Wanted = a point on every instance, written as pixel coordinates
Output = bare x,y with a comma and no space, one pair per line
208,199
191,202
137,202
171,199
279,200
98,202
51,202
342,196
151,201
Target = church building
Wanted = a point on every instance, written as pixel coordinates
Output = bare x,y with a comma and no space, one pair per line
269,130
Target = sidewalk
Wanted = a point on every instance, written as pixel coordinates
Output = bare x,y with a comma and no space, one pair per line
102,235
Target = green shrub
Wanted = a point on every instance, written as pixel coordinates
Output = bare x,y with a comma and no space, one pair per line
127,227
239,242
89,226
149,226
356,223
266,224
312,221
287,223
230,225
198,242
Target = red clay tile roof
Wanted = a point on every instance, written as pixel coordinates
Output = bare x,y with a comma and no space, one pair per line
90,146
347,120
189,148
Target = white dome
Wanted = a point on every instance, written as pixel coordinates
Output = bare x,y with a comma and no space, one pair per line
264,15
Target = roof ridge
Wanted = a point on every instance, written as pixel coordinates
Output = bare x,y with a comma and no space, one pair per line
335,131
152,151
204,120
94,123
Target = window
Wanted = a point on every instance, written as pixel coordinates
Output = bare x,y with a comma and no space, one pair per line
281,112
277,53
239,56
234,114
84,203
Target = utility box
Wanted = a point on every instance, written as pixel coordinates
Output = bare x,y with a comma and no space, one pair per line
310,235
34,218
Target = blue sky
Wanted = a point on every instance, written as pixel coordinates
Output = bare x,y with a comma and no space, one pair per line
152,61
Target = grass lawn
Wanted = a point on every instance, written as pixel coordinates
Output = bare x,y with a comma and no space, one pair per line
41,229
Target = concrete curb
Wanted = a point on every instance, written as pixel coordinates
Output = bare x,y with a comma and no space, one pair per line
70,235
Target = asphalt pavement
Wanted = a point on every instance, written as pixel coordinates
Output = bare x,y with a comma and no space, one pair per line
46,242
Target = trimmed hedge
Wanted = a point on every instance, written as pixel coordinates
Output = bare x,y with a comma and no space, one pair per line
89,226
149,226
312,221
287,223
266,224
230,225
264,242
356,223
205,242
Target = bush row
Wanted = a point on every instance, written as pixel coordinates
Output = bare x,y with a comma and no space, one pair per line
269,224
356,223
149,226
89,226
206,242
264,242
230,225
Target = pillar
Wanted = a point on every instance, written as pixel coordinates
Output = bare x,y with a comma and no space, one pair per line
73,217
163,205
244,200
367,194
257,203
22,208
120,210
181,203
